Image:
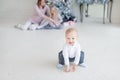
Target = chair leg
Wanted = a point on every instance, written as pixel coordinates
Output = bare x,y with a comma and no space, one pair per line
81,12
108,10
104,14
86,11
111,3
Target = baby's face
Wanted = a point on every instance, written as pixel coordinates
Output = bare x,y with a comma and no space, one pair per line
71,38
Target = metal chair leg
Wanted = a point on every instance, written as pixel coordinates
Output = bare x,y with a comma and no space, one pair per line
111,3
108,10
86,11
81,12
104,14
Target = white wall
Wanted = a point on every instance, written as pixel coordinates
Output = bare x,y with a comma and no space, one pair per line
16,10
116,11
21,10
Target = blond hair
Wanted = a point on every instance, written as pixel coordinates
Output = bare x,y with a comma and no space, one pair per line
54,10
69,30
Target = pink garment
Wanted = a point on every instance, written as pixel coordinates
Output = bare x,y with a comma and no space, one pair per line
40,13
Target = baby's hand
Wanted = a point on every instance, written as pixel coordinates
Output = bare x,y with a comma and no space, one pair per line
67,69
74,67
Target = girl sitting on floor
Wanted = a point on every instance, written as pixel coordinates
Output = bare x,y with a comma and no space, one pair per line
55,16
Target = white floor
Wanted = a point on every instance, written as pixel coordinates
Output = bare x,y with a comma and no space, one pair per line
32,55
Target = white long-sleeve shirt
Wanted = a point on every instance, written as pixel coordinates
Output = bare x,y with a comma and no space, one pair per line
71,52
